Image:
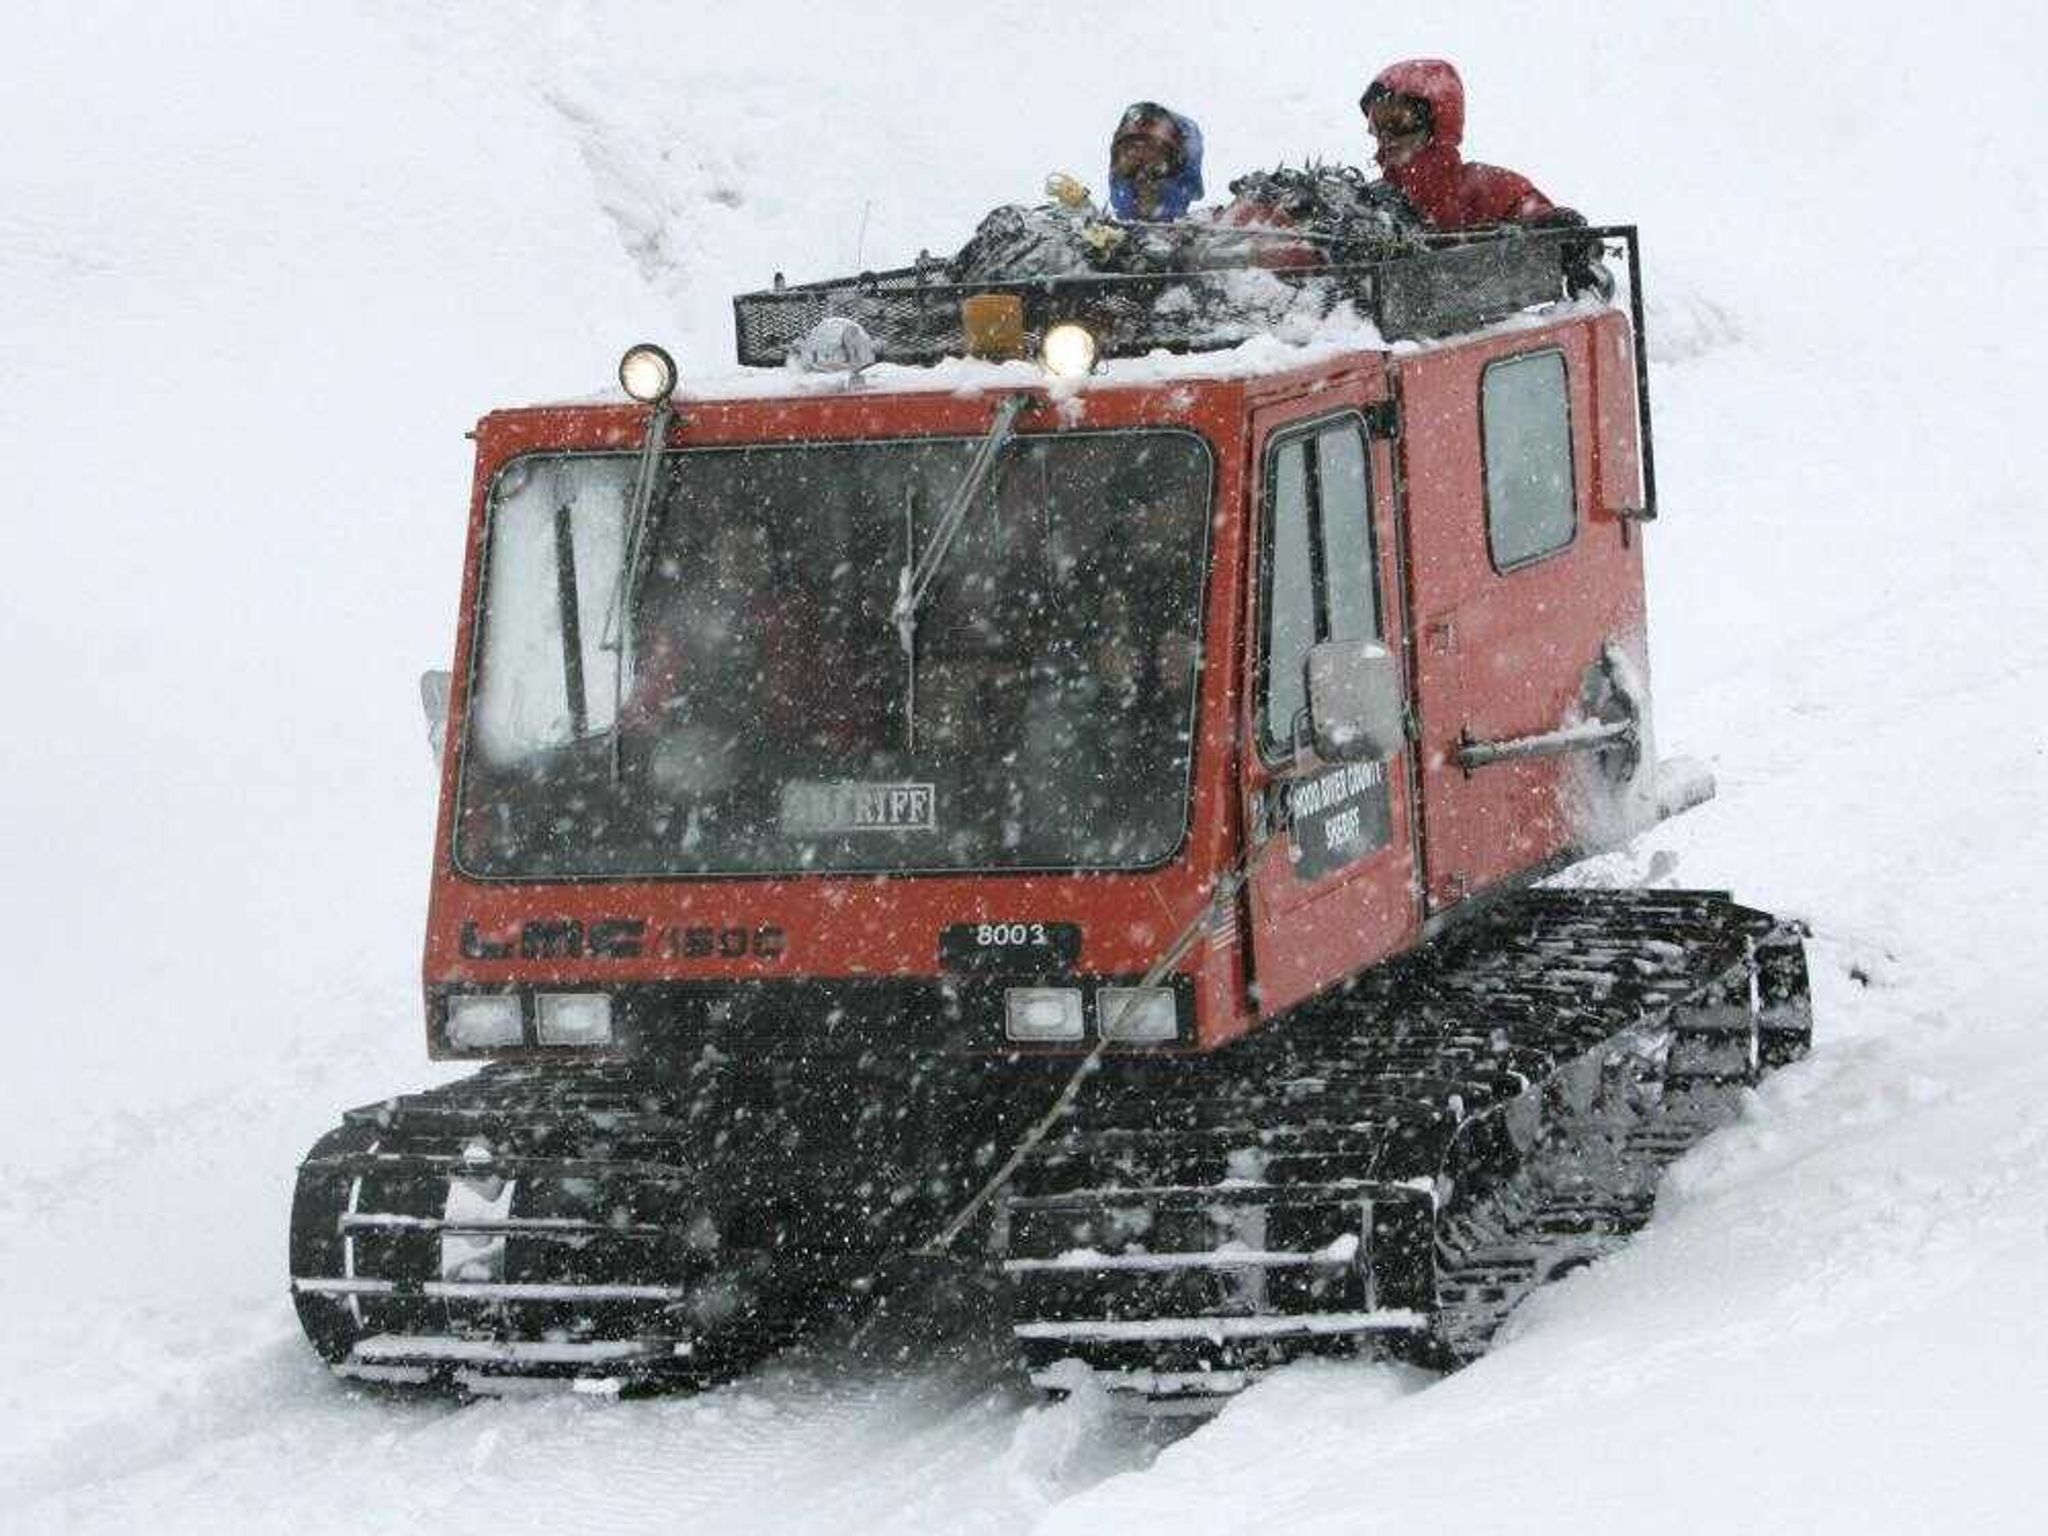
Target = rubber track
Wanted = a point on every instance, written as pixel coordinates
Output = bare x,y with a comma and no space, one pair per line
1396,1167
648,1227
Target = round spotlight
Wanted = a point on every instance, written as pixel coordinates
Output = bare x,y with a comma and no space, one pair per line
647,373
1068,351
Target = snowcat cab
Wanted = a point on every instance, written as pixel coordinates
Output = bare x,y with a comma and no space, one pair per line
1083,812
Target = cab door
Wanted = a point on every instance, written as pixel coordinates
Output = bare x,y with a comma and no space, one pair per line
1334,882
1519,450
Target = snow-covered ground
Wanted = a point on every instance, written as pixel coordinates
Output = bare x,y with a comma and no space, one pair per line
258,272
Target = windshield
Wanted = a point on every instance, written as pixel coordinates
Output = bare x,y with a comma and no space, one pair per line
756,711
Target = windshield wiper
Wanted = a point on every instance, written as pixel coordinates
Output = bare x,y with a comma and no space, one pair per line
572,622
914,580
632,561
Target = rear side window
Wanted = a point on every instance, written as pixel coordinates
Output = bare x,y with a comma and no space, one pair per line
1525,415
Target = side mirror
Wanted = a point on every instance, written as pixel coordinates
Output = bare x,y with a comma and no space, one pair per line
1357,708
434,704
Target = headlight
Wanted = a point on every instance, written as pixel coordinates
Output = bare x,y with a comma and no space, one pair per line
574,1018
1068,351
1042,1013
484,1021
1137,1015
647,373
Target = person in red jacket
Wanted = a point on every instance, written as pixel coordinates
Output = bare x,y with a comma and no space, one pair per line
1416,110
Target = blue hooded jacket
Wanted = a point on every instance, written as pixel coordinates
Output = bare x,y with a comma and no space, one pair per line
1179,194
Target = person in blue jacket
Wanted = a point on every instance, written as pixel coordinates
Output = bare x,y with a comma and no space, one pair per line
1155,163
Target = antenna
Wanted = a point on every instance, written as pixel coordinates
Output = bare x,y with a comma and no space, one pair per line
860,241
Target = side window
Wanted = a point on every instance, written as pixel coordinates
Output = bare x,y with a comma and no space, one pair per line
1322,581
1290,585
1343,478
1525,415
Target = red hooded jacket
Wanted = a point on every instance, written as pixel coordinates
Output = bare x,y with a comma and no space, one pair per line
1446,189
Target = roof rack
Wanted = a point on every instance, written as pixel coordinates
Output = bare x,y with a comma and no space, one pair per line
1453,284
1456,283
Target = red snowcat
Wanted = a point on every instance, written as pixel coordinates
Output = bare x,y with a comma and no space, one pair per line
1081,816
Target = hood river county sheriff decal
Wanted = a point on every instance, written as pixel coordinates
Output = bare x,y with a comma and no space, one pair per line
1338,817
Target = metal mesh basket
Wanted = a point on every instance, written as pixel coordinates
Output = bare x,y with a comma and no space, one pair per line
913,313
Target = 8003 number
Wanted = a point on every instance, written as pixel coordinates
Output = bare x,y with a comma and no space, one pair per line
1011,935
1019,948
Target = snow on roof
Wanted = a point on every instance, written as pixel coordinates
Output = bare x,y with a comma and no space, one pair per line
1297,342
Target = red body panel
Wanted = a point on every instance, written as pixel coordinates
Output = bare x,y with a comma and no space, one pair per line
1502,655
1484,654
